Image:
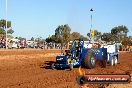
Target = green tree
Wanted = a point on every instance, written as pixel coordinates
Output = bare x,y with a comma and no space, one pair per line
97,34
84,38
2,31
62,34
3,26
50,39
120,30
10,31
32,39
10,36
40,40
3,23
75,35
19,38
66,33
108,37
58,34
126,41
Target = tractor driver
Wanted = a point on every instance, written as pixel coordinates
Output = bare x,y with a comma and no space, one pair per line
79,47
73,49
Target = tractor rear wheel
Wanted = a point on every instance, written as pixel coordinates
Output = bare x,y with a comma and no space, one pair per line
104,63
89,60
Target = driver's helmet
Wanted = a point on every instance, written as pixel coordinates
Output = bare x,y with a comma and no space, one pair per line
80,39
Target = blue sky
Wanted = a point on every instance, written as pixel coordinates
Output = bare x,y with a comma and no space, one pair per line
41,17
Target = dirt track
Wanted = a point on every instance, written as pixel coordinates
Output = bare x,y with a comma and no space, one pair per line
30,69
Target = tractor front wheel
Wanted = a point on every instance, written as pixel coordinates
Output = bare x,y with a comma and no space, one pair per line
89,60
53,66
71,66
104,63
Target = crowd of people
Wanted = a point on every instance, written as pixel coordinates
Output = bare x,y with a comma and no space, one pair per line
2,43
45,45
24,44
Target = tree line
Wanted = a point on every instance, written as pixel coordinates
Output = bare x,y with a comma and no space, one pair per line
63,35
120,34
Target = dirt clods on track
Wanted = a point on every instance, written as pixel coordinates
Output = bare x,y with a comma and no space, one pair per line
30,68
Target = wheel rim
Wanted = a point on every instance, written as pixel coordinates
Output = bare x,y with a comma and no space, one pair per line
53,66
92,61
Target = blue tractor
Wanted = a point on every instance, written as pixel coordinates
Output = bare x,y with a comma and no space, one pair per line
78,55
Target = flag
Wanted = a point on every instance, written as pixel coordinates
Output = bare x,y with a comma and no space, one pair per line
92,33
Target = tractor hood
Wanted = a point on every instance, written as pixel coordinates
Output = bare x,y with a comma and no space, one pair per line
61,58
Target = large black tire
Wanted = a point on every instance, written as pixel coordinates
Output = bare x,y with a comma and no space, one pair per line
89,60
104,63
